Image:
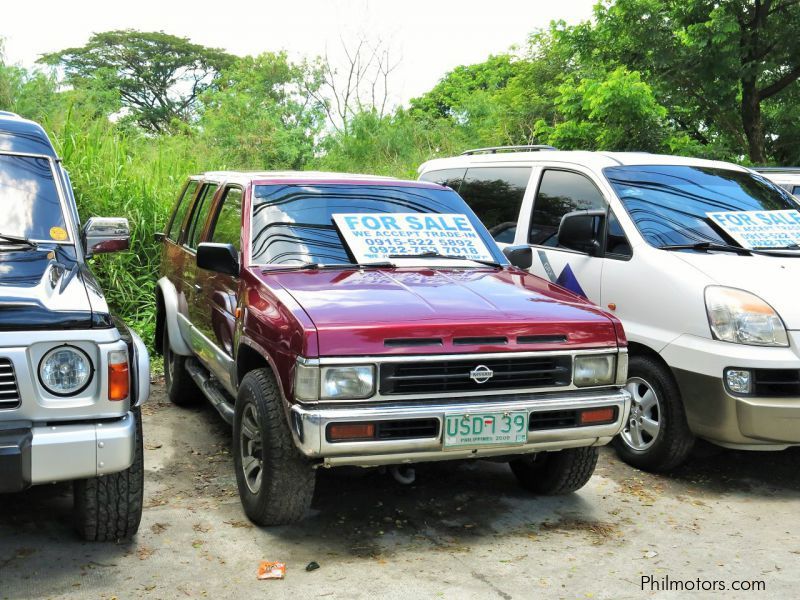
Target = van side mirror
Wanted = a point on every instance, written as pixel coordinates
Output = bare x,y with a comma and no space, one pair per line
519,256
106,234
221,258
580,230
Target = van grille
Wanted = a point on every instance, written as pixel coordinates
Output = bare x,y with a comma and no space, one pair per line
439,376
9,394
776,382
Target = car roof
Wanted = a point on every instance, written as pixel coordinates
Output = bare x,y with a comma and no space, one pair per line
309,177
593,160
23,136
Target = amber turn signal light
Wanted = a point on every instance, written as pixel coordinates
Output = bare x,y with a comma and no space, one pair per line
118,376
339,432
594,416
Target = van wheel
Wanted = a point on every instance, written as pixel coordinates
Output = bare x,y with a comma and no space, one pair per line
275,480
555,473
109,508
181,388
656,436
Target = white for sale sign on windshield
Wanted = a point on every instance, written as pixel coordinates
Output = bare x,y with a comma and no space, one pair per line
760,228
375,237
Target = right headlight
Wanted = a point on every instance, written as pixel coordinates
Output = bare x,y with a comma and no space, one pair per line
65,371
590,370
340,382
743,318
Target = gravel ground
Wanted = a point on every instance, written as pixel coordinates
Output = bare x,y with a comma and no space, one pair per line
461,531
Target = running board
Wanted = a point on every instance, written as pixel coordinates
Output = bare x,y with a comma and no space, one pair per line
211,388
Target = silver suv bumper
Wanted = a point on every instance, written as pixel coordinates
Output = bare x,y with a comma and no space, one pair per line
309,425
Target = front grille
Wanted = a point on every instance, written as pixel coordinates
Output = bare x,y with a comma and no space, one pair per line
438,376
9,394
776,382
553,419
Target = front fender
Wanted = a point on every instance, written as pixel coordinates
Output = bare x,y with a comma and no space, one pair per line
139,363
170,297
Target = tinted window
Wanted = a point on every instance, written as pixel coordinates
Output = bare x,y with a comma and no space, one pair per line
669,203
292,224
200,214
616,242
796,190
28,199
495,194
180,211
228,227
560,192
452,178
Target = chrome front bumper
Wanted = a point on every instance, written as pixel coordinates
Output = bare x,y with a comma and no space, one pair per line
309,425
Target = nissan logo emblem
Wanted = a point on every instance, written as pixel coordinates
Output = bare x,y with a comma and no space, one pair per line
481,374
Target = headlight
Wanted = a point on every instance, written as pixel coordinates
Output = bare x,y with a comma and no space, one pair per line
65,371
594,370
743,318
347,382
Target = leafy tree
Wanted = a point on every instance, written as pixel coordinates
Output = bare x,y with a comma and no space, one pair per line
159,76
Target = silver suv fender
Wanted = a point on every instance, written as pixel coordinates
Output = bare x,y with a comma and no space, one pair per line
170,297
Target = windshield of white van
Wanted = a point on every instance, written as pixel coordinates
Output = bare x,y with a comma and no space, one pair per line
669,203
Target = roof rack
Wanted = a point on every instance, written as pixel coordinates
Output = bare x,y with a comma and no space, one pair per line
496,149
777,169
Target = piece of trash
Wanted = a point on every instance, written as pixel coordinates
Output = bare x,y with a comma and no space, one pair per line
312,566
271,570
650,554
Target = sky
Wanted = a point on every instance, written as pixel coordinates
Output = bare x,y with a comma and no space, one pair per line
428,37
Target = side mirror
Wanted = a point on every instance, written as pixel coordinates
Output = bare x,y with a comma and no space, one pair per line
519,256
221,258
580,230
106,234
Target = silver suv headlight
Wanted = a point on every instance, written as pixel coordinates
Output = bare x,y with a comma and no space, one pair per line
594,369
65,371
339,382
743,318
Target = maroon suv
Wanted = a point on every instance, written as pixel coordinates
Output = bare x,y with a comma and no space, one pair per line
409,340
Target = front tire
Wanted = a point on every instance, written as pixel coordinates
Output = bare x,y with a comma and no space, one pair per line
181,388
656,436
109,508
276,483
556,473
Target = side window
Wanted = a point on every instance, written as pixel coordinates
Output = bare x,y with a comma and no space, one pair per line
183,204
560,192
228,226
796,190
452,178
617,245
495,195
200,214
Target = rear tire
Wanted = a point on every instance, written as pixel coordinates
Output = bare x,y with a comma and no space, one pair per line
109,508
556,473
181,388
275,481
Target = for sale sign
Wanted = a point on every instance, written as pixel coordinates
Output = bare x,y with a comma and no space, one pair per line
375,237
760,228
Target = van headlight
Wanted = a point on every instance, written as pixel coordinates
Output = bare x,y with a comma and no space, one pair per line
590,370
65,371
340,382
743,318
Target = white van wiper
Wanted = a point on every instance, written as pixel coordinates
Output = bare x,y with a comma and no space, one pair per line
315,266
787,247
432,254
706,246
20,241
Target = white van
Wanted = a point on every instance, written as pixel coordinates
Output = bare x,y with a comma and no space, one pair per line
786,177
714,327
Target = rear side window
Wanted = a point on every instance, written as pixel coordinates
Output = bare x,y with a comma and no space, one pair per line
200,214
452,178
495,195
560,192
184,202
228,226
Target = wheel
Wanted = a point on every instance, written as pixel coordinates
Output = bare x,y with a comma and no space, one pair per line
109,508
555,473
656,436
181,388
275,480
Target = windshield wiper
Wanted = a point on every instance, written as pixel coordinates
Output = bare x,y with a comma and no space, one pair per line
432,254
706,246
314,266
21,241
787,247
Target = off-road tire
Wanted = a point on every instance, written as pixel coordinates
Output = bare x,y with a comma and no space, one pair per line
109,508
181,388
674,441
555,473
287,477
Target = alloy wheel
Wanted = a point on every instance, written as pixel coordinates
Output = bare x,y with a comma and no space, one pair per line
250,448
644,421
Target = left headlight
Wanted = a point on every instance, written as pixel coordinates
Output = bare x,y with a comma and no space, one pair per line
591,370
65,371
743,318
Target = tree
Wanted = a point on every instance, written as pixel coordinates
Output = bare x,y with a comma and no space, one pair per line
159,76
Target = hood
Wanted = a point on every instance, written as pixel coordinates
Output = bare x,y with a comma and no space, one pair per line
775,279
423,311
43,289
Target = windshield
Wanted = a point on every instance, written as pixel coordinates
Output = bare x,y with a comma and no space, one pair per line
669,203
29,200
293,224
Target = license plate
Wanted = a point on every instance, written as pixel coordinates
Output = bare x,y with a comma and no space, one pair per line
485,429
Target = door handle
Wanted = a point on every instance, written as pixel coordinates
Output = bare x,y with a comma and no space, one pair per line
198,287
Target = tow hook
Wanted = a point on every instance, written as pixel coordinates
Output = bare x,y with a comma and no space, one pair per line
403,474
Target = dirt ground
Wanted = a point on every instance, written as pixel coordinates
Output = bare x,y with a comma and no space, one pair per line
460,531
